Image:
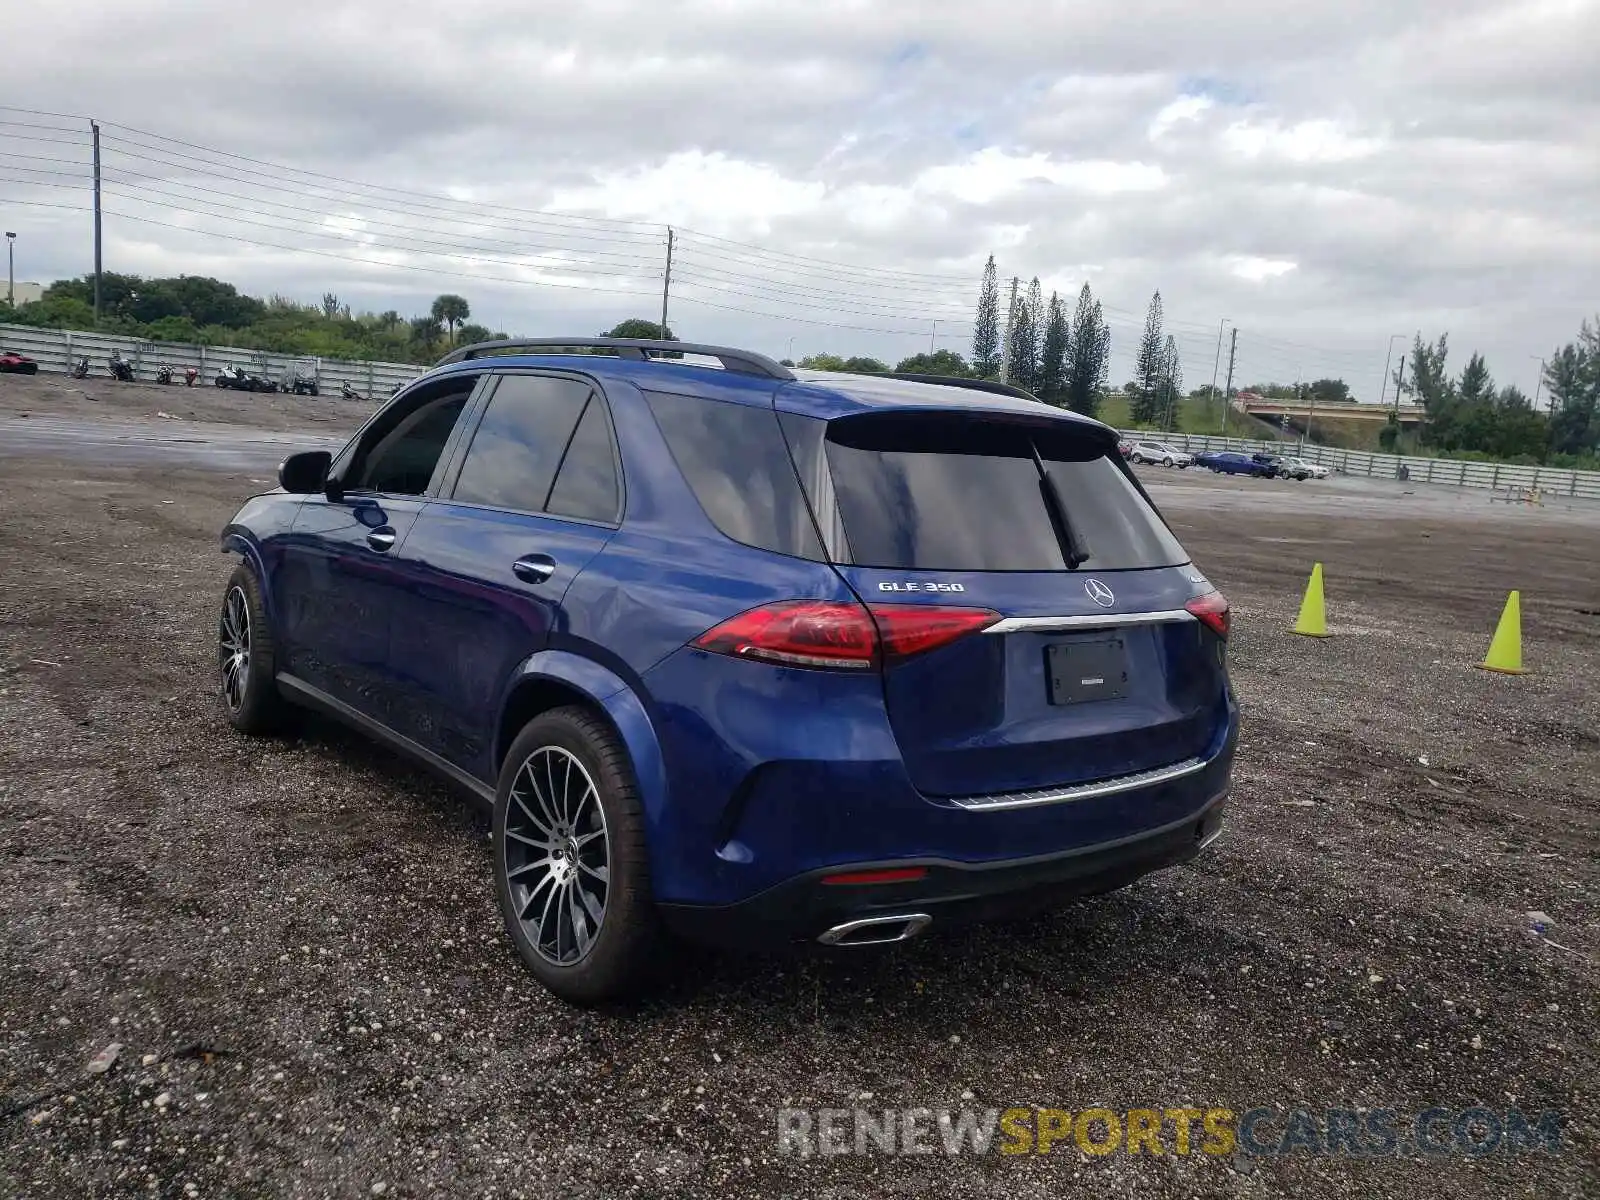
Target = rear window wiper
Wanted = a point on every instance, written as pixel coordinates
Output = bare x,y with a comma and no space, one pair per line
1073,548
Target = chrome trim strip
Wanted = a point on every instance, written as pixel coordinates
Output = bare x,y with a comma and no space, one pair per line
1081,791
911,925
1089,621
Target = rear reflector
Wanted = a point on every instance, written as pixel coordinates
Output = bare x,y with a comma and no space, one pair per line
1212,608
890,875
847,636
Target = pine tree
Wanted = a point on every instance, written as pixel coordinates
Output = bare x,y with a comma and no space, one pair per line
1171,380
986,331
1148,368
1024,341
1088,355
1053,356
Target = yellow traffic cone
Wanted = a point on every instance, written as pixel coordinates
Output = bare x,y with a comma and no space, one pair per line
1313,620
1505,652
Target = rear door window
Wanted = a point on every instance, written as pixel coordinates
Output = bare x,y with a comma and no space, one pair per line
960,495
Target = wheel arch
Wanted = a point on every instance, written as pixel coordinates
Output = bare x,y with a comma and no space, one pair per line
553,679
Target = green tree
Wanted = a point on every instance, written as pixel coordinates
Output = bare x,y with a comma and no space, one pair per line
470,334
639,327
1088,356
1023,348
1572,377
1053,354
426,333
941,362
986,329
330,305
1149,367
1171,385
1475,388
1329,391
451,310
1389,435
860,365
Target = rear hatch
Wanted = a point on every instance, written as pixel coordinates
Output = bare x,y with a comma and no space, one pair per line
1094,669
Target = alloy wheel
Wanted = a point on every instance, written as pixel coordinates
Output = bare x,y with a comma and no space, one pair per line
557,855
233,643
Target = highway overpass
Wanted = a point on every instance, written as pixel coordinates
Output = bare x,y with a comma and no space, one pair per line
1303,410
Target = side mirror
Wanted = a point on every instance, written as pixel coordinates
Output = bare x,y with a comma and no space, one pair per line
303,474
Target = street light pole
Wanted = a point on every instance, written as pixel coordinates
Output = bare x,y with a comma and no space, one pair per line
11,270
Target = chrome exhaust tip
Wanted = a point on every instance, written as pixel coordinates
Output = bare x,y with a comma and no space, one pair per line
877,931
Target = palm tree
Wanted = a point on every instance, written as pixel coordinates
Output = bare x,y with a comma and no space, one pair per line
451,311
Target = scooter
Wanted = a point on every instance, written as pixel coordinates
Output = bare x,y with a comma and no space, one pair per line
79,368
120,367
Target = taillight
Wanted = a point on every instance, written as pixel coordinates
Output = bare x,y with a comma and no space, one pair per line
1212,608
846,636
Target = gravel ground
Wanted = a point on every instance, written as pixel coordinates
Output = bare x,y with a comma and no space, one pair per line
297,946
61,395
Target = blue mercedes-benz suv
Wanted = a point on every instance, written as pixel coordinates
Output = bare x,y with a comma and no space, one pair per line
742,653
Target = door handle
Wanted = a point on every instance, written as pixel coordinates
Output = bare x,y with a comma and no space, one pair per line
381,539
534,568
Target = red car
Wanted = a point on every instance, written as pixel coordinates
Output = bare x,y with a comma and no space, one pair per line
18,364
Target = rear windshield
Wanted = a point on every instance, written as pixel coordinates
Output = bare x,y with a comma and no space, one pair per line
964,495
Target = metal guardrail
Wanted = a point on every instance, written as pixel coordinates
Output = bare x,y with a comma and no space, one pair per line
55,350
1450,472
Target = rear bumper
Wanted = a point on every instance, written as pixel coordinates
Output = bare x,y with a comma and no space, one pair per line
803,908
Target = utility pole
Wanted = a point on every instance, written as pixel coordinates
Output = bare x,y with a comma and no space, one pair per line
1399,386
11,270
94,130
1387,358
1217,361
1227,399
1537,383
932,338
1011,318
666,283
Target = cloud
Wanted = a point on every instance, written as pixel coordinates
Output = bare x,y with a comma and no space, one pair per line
1323,174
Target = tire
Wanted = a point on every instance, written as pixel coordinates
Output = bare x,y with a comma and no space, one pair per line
252,703
1167,462
584,770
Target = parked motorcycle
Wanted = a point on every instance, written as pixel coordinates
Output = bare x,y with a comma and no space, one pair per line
163,374
347,391
120,368
79,368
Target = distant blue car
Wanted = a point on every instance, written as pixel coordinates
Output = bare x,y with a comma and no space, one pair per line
742,653
1229,462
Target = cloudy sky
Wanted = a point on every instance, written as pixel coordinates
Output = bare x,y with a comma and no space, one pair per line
1321,174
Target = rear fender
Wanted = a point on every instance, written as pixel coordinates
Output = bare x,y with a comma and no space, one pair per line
611,694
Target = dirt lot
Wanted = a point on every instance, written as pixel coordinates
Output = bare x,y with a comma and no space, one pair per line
61,395
319,917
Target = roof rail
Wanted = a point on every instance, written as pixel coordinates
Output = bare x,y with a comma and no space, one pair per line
745,362
980,385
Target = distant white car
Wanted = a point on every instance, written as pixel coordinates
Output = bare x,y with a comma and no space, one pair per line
1304,468
1159,452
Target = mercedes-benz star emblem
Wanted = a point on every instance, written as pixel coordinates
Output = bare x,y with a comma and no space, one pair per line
1099,593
